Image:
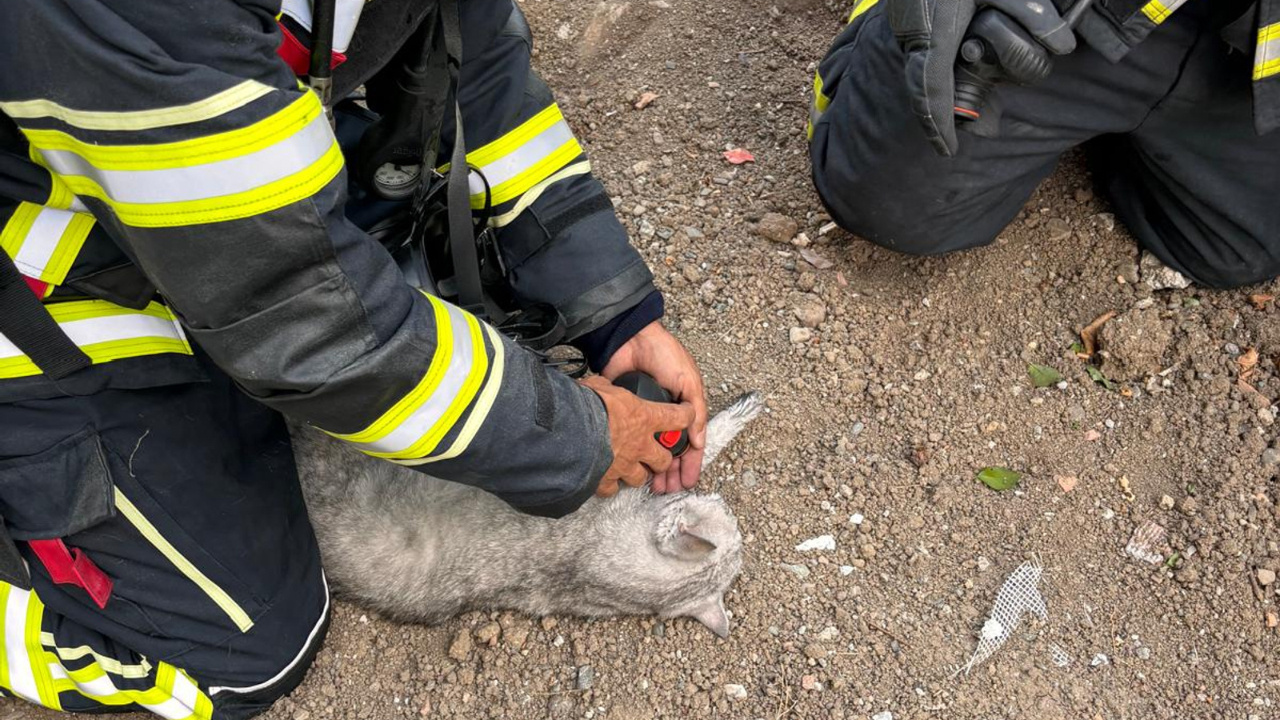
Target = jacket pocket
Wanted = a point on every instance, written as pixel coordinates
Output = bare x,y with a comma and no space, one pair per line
210,579
59,491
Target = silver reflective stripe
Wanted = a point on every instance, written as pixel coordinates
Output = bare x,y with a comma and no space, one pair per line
42,239
208,180
412,428
105,329
523,157
22,678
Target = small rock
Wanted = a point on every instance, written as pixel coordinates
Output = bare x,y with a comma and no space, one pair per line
516,636
460,648
489,633
1067,482
1099,660
1092,435
1083,195
1135,344
1271,457
1057,229
1266,576
846,569
1272,619
815,651
822,542
800,571
800,335
735,692
777,228
1159,276
1166,502
810,682
984,564
586,677
886,715
857,519
808,309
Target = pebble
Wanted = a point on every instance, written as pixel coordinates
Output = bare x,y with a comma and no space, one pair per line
586,677
810,682
1057,229
984,564
777,228
460,648
809,309
801,571
1270,457
1166,502
822,542
1099,660
1266,576
856,518
846,569
815,651
1266,417
489,633
886,715
735,692
801,335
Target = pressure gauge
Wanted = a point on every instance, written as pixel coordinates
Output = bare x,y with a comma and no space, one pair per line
396,182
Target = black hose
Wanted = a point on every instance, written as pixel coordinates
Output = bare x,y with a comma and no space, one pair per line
323,13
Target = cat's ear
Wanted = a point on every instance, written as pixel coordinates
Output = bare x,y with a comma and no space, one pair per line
693,541
714,616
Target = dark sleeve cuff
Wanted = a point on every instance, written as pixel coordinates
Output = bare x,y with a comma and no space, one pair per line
600,344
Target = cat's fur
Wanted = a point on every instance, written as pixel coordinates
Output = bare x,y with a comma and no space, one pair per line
422,549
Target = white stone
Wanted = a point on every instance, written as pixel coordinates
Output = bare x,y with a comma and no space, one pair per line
822,542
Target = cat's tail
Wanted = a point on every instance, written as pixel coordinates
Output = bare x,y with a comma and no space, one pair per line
725,426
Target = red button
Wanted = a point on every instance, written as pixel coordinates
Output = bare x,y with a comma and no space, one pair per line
669,439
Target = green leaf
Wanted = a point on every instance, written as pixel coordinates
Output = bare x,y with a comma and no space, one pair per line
1077,348
998,478
1043,375
1099,378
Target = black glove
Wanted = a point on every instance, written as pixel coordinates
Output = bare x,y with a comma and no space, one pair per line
930,33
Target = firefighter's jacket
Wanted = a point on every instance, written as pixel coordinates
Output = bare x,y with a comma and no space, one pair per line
170,183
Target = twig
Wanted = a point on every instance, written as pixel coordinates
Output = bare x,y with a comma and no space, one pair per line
900,641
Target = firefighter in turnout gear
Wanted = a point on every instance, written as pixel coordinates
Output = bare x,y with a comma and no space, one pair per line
186,257
1175,103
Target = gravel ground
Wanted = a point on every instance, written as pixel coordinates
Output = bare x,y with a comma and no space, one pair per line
891,382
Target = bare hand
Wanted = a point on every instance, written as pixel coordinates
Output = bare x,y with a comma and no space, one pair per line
632,424
658,353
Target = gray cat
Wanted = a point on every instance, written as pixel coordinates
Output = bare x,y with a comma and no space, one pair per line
421,549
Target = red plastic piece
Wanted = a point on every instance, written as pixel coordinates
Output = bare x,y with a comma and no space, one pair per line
298,56
669,439
73,567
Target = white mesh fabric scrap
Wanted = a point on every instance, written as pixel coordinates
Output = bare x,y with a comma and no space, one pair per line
1019,595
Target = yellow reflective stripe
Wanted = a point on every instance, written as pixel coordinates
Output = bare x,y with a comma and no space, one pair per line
522,158
36,653
173,695
197,151
60,196
105,332
533,193
861,7
479,413
536,173
230,99
1267,57
108,664
820,100
428,442
285,191
1157,12
4,636
44,242
426,387
184,566
16,229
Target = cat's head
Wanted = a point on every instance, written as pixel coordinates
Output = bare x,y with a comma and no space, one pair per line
672,555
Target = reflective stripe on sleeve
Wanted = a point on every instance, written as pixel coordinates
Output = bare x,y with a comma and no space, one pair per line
820,103
44,241
1267,57
1157,12
105,332
860,7
24,669
211,107
286,157
414,426
522,158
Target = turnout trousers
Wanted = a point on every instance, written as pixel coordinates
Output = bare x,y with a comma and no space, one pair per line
1169,129
186,497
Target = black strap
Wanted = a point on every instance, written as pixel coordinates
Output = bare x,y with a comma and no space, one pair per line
462,237
27,324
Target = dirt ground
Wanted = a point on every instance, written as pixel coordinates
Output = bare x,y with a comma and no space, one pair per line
912,378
